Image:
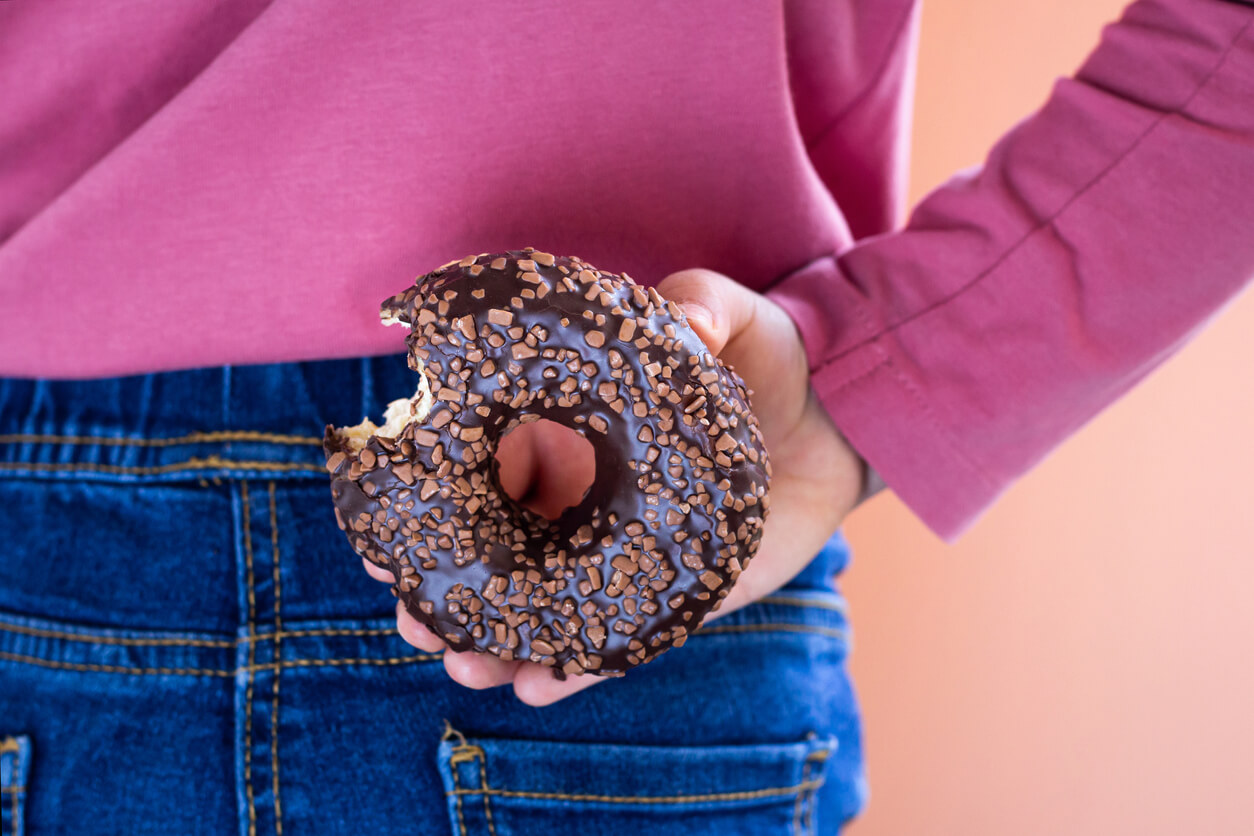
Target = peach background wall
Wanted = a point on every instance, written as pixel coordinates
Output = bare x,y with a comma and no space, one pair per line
1081,661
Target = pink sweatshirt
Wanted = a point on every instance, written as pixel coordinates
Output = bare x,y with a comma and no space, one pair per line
188,184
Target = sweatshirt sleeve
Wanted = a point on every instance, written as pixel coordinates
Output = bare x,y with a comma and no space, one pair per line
1025,295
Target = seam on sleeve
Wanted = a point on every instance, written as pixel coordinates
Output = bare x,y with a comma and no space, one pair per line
1049,221
885,361
925,407
930,415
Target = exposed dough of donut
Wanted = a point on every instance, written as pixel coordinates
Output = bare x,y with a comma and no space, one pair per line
399,413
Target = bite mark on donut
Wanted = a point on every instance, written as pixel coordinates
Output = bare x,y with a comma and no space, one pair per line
399,414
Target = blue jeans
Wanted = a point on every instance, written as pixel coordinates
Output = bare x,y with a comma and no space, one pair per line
189,645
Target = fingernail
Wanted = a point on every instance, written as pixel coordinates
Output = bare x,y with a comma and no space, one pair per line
696,311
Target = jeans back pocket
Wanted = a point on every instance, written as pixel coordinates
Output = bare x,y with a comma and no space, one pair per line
506,787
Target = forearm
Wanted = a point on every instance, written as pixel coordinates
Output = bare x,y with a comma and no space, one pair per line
1023,297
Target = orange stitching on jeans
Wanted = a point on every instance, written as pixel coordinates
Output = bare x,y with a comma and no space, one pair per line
190,438
374,631
58,634
487,799
470,752
796,809
449,731
457,788
278,659
219,643
252,649
224,672
643,799
801,602
10,746
317,663
820,756
329,631
770,628
48,663
395,660
473,753
194,463
326,631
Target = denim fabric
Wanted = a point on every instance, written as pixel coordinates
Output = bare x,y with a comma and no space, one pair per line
14,757
188,645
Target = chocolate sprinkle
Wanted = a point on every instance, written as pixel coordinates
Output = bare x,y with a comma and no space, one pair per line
677,506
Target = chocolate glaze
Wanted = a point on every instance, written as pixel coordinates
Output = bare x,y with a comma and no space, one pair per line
680,495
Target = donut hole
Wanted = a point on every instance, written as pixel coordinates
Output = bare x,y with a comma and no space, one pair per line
546,467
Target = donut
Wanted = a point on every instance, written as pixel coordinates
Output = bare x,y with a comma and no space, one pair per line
675,512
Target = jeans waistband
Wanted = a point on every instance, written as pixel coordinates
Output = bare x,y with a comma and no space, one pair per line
228,421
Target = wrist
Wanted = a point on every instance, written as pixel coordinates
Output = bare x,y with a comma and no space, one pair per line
871,483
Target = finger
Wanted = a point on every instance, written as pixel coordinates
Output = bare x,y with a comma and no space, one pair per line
479,670
716,307
750,333
535,685
809,498
749,587
765,574
416,633
567,467
378,572
516,458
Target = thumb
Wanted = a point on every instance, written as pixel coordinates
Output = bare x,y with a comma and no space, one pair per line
751,334
718,308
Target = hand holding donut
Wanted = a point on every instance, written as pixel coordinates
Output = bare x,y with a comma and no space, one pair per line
816,480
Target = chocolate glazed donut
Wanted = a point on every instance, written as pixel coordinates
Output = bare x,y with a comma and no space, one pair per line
675,512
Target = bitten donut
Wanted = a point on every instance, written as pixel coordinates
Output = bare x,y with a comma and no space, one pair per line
679,499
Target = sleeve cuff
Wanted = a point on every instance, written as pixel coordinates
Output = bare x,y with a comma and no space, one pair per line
883,415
